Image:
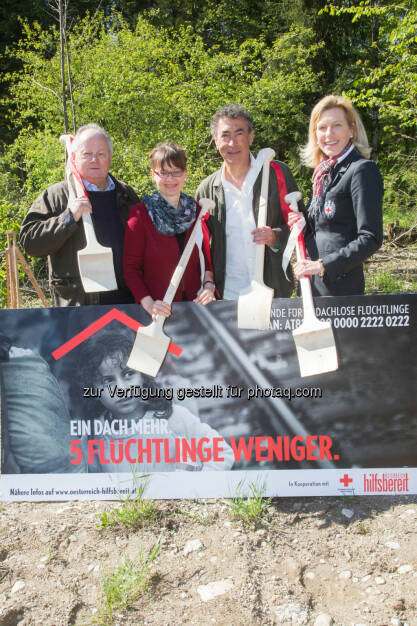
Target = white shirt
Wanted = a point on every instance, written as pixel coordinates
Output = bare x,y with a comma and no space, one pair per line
240,222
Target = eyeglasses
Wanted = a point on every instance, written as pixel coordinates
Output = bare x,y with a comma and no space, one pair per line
89,156
174,173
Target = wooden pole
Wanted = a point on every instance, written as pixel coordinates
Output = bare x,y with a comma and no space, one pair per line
8,288
31,277
13,254
13,276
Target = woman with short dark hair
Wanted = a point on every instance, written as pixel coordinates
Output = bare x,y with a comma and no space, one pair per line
156,233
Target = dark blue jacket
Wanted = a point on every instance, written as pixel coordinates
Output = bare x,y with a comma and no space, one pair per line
349,228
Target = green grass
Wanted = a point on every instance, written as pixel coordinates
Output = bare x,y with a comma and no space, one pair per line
383,281
250,509
134,512
123,586
405,217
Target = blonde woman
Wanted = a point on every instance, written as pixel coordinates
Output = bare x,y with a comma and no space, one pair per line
344,215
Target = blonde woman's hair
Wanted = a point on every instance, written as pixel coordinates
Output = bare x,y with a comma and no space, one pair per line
311,155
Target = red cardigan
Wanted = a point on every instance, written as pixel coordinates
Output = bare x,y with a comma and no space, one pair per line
150,258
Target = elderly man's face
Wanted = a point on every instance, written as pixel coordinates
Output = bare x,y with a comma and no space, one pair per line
93,158
233,140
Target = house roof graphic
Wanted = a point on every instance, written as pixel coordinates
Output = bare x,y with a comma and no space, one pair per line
102,321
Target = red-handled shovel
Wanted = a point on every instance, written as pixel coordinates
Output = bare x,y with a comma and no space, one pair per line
95,261
151,343
314,340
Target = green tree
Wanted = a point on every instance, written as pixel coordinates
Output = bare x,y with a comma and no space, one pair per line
155,84
382,81
13,17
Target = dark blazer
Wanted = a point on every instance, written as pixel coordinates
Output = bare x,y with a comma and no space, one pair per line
349,228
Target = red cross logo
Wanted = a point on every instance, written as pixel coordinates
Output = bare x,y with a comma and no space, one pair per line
328,210
346,480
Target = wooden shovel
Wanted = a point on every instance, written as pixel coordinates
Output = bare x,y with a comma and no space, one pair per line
95,261
254,303
314,340
151,343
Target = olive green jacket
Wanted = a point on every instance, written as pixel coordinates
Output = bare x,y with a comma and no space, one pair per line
211,187
49,230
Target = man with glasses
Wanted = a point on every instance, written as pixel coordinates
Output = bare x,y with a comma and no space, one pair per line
53,226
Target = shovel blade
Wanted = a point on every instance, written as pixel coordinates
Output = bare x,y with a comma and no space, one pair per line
149,350
254,307
97,270
316,348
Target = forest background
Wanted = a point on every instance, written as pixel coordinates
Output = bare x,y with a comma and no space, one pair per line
151,71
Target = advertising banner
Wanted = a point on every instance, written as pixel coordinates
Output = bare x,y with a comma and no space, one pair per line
228,409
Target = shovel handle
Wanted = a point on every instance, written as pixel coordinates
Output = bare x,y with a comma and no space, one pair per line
180,269
80,190
258,274
77,189
307,296
301,248
159,322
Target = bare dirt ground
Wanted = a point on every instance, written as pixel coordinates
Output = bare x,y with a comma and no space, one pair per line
312,561
321,561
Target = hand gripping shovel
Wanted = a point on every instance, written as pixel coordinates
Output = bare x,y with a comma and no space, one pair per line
151,343
254,304
314,340
95,262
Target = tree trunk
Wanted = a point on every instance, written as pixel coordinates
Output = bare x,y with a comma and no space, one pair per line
71,94
62,20
375,60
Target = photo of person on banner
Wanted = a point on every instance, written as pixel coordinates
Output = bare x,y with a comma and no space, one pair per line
35,418
131,417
